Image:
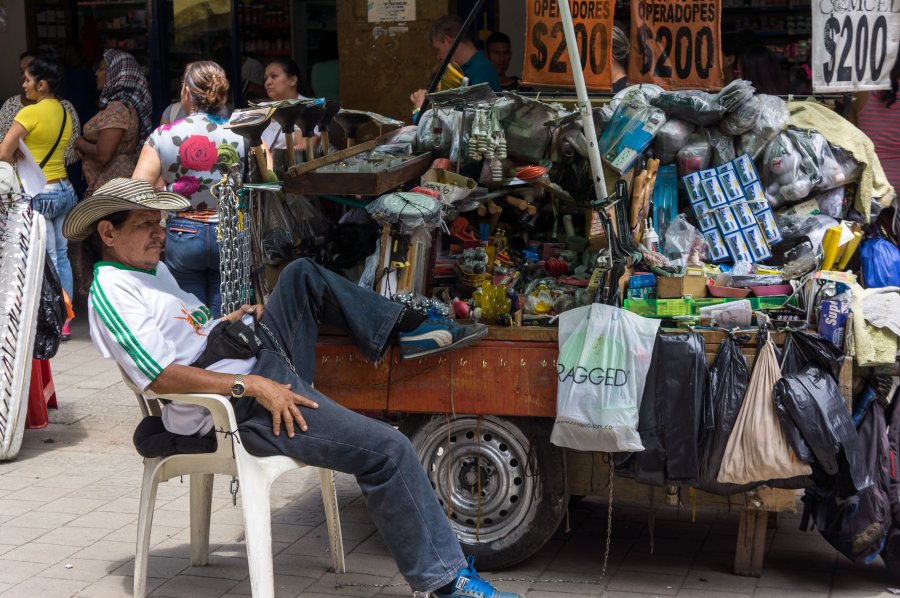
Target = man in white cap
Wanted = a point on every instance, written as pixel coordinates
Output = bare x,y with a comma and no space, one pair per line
160,336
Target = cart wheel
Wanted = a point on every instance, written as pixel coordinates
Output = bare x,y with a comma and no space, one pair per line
522,496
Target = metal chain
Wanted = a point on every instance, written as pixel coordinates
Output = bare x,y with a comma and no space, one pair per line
281,352
593,582
233,235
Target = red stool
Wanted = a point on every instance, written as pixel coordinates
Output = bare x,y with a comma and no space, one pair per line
41,394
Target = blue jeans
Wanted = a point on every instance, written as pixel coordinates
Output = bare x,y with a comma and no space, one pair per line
192,255
398,494
54,202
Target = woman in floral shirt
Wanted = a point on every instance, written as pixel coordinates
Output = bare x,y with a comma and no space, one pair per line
189,156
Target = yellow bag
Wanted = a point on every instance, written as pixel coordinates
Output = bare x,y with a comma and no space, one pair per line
757,450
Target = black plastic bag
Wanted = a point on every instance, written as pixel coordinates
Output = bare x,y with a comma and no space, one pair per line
813,403
858,525
728,379
802,349
670,414
51,314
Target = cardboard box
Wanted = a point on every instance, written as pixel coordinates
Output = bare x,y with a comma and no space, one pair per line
675,287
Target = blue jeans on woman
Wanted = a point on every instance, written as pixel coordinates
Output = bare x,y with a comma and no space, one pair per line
399,496
54,202
192,255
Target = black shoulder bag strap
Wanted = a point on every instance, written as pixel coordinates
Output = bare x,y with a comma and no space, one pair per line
62,129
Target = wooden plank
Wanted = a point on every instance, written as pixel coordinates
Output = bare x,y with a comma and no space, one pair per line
421,385
332,158
751,543
502,379
343,374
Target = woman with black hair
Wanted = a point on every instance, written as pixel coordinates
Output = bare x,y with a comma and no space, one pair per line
880,121
46,129
13,104
282,82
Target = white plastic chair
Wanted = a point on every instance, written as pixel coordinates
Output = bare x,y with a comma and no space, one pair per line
255,475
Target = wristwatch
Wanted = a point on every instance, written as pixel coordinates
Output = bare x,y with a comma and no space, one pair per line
237,389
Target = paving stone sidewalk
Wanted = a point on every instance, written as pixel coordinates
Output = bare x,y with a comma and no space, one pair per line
69,502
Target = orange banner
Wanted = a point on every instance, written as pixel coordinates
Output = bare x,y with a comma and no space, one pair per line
546,53
676,43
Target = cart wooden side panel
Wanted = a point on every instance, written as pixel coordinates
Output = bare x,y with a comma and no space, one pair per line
512,373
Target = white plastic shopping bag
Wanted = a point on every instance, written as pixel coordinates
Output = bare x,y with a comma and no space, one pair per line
604,356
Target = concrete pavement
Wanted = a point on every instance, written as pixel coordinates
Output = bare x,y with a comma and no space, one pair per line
68,513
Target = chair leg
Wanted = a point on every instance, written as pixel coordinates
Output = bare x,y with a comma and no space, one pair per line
145,525
201,508
333,519
254,488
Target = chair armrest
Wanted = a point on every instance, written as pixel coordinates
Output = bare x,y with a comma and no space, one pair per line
219,407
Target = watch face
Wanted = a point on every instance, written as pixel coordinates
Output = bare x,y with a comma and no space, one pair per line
237,389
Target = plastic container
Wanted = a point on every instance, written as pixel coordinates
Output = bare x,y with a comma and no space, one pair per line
772,289
659,307
728,292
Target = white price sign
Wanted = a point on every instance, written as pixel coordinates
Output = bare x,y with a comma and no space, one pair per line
854,44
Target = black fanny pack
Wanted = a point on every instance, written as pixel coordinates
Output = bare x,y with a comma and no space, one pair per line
229,340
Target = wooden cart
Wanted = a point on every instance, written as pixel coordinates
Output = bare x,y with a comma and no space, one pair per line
488,409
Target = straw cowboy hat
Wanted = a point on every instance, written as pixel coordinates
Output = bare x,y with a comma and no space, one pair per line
115,196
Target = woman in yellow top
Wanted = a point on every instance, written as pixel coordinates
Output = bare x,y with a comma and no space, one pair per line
45,128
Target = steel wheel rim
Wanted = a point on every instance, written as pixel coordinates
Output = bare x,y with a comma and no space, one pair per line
507,491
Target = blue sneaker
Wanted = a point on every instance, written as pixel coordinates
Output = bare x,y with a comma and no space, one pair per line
468,584
437,334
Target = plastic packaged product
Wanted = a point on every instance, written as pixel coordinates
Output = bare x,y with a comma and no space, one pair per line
793,227
527,136
671,410
727,220
785,180
880,261
722,146
671,137
692,105
773,118
718,251
818,163
757,449
735,95
742,119
695,155
605,354
665,198
745,169
832,320
728,379
731,315
831,202
738,247
630,131
682,239
756,241
814,415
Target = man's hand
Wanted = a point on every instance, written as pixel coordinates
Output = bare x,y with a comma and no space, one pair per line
280,402
257,310
418,98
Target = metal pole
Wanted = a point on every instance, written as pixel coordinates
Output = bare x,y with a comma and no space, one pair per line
584,104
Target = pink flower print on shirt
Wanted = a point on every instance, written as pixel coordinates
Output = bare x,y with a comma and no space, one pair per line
186,185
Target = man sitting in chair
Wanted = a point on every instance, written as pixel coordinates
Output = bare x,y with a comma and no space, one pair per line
167,343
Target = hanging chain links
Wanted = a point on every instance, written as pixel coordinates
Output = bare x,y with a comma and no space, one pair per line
233,235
